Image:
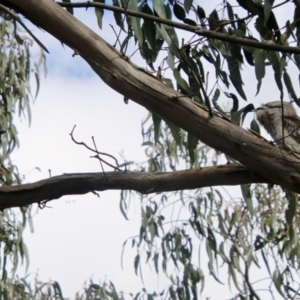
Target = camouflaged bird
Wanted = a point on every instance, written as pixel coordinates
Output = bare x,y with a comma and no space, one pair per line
269,116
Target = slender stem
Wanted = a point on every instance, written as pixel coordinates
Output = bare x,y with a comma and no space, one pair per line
268,45
15,17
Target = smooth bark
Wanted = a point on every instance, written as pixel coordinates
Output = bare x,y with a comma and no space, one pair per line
117,71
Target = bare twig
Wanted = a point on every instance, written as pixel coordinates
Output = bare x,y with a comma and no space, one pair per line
246,276
98,156
117,36
95,151
15,17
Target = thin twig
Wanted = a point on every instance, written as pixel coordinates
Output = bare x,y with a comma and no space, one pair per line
89,148
117,36
246,276
195,29
107,163
100,160
15,17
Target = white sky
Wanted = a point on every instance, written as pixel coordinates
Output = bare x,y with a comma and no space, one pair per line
82,236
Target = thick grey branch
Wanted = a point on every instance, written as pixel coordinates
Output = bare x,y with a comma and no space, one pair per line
143,182
119,73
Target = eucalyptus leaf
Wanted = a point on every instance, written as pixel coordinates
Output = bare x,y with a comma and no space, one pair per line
135,22
247,197
179,11
99,13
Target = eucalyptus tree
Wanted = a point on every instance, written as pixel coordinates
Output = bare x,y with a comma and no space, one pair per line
187,126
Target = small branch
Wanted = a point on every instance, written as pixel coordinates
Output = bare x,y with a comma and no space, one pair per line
15,17
195,29
98,156
82,183
246,276
95,151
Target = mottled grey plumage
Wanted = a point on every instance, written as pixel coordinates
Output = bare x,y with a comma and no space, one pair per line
270,116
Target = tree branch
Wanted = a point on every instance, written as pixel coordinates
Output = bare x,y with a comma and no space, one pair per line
143,182
194,29
117,71
15,17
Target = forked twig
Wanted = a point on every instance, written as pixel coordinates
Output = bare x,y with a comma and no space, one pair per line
97,152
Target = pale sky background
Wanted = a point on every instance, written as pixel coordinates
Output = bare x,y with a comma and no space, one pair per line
81,237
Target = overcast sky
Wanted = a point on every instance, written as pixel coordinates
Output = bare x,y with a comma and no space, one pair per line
79,237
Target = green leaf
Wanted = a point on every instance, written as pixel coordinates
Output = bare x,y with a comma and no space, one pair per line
249,57
123,206
259,60
297,60
272,24
200,66
99,13
230,13
175,130
156,122
168,82
235,105
224,78
190,22
254,126
213,21
135,22
136,263
289,86
216,95
278,279
159,8
37,80
170,37
278,82
182,83
58,290
192,145
178,11
168,11
200,12
247,109
155,259
267,10
118,16
218,65
149,28
170,60
247,197
207,55
125,44
235,76
275,60
263,30
291,211
187,5
265,261
289,30
148,54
